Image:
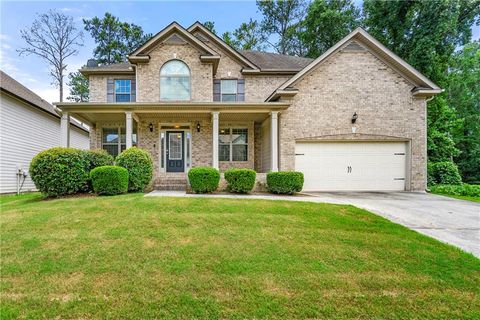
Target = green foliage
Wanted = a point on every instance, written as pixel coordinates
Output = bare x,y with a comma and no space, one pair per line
463,95
60,171
114,39
78,84
98,158
286,182
326,23
282,19
109,180
139,164
203,179
248,36
466,190
240,180
210,25
445,172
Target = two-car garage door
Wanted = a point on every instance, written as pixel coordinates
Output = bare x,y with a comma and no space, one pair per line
352,166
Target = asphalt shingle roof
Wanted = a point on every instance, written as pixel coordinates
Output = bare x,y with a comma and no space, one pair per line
275,61
121,66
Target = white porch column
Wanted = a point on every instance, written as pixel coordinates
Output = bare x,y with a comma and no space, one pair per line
274,140
128,128
65,130
215,139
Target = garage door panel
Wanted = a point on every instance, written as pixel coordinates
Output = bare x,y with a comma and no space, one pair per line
366,166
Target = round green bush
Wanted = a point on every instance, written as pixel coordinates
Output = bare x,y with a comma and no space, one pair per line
139,164
445,172
109,180
286,182
240,180
60,171
203,179
98,158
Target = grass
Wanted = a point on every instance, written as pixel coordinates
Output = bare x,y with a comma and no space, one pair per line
131,257
474,199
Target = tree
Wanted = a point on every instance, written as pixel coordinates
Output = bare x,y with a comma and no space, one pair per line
210,25
282,18
53,37
426,34
463,96
78,84
114,39
326,23
246,37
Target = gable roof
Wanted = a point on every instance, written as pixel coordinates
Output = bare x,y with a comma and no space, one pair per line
19,91
141,53
197,26
425,86
275,61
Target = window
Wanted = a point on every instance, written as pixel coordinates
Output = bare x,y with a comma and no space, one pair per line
233,144
175,81
123,90
114,140
229,90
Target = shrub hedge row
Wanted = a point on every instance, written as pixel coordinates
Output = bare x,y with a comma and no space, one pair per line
445,172
109,180
286,182
240,180
204,179
467,190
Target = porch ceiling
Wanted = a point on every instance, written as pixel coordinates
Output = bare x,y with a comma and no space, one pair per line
94,112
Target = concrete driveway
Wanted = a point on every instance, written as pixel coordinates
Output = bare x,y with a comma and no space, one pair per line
456,222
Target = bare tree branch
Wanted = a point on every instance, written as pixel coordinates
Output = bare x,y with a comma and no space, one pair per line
54,38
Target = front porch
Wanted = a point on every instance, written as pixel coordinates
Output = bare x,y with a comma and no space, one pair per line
180,136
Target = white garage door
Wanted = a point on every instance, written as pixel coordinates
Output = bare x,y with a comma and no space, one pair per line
355,166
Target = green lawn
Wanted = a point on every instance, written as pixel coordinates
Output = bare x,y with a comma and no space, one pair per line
474,199
131,257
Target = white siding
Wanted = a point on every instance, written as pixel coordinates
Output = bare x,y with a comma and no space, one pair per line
24,132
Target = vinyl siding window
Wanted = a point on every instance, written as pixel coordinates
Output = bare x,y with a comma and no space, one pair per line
233,144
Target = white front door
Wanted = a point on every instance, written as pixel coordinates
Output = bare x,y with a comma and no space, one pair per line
352,166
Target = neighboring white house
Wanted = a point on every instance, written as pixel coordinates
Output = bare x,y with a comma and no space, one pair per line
28,125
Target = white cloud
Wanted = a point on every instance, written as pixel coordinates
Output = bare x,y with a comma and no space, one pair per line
4,37
47,93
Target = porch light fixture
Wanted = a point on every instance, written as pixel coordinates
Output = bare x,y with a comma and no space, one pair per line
198,126
150,126
354,117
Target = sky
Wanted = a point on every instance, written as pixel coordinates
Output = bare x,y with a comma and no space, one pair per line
152,16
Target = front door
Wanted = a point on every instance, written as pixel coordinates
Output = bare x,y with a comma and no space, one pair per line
175,151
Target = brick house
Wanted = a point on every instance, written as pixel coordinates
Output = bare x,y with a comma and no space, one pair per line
352,119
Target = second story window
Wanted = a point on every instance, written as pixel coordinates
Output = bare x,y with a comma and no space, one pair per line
123,90
229,90
175,81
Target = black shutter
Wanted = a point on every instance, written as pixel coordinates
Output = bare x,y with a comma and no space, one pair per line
133,88
110,90
217,90
241,90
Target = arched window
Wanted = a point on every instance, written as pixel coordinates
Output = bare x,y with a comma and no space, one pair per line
175,81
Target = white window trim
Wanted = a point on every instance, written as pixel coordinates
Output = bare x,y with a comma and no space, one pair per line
189,77
115,90
236,89
231,144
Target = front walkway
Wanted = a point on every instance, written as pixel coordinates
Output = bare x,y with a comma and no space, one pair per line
456,222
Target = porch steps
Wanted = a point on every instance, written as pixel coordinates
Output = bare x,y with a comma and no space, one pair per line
171,182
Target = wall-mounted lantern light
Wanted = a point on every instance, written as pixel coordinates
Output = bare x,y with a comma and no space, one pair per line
354,117
198,126
150,126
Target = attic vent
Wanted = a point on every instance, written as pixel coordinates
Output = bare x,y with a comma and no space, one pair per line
353,46
174,39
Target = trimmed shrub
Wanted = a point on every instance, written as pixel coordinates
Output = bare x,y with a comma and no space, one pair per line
109,180
240,180
430,174
60,171
286,182
139,164
203,179
445,172
467,190
98,158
